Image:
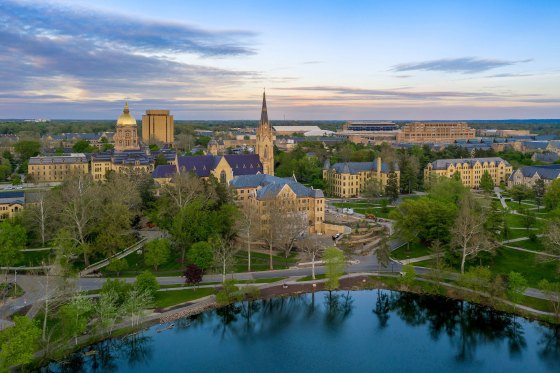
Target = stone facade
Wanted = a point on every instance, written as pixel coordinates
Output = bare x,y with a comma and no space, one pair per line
348,179
126,136
470,169
433,132
528,175
158,127
56,168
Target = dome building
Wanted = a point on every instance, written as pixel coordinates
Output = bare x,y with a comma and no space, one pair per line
126,136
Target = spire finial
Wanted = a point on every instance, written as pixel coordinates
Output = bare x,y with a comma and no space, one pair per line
125,110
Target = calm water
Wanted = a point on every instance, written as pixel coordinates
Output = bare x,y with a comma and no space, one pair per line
362,331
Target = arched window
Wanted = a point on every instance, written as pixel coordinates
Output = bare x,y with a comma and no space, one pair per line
266,152
223,176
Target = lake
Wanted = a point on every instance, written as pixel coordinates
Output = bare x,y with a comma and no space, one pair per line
355,331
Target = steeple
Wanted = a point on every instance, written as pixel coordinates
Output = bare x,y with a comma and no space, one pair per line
265,143
264,112
125,110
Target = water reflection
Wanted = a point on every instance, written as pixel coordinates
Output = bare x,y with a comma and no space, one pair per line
466,329
466,325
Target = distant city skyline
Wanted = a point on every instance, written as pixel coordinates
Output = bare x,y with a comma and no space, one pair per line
321,60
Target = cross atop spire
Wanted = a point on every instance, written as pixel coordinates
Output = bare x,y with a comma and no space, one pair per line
264,113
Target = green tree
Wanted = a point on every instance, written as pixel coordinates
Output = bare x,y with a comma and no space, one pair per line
135,304
551,291
27,149
157,252
202,255
392,187
372,189
552,195
82,146
520,192
147,282
539,191
107,311
118,266
486,182
517,284
408,275
75,316
12,241
335,264
160,160
383,251
118,287
18,343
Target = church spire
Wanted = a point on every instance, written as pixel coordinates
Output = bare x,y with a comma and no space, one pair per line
264,112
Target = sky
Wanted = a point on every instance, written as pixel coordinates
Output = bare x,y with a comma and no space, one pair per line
317,60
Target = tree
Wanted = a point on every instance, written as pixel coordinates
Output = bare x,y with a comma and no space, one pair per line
539,191
184,189
118,266
248,227
551,238
193,274
288,224
119,288
392,187
372,189
409,166
27,149
82,146
551,291
520,192
107,310
156,252
160,160
335,264
312,247
486,182
528,218
517,284
78,210
12,241
39,214
223,254
468,233
74,316
135,303
201,254
147,282
383,251
18,343
552,195
408,275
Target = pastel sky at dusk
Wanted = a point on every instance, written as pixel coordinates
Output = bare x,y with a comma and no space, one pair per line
317,59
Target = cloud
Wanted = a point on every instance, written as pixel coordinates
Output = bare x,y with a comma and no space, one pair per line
120,31
380,94
464,65
76,54
311,62
507,75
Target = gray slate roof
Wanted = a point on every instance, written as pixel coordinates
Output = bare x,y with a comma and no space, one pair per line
442,164
354,168
12,198
549,172
269,186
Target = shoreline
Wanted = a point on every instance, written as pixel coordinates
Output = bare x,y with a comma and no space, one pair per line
351,282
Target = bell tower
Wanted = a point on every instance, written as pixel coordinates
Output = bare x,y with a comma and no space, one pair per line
265,144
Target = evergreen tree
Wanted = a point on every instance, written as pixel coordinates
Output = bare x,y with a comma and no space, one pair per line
486,182
392,187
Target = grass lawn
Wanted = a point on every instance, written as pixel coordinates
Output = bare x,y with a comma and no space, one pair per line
518,233
169,298
136,266
507,260
309,278
260,261
529,245
416,250
366,208
33,258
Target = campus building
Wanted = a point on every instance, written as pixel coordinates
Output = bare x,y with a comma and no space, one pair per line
434,132
369,132
528,175
348,179
224,167
470,170
157,127
10,204
56,168
263,192
129,157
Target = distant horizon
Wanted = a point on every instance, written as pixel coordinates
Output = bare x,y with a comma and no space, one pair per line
139,121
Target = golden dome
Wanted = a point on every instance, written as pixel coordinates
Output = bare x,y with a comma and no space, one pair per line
126,119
